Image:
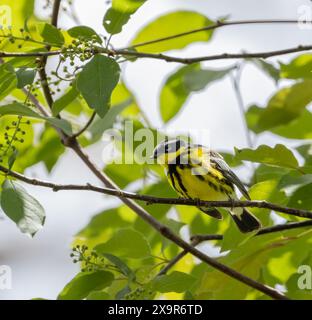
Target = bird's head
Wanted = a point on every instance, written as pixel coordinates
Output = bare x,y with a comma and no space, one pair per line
167,151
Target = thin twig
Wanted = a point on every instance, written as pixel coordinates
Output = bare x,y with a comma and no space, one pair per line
218,24
240,102
29,54
85,127
160,56
43,62
159,200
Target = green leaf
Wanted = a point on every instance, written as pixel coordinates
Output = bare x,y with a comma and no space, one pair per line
96,82
231,160
278,156
302,198
122,266
119,14
12,159
124,174
126,243
174,282
101,124
98,295
84,283
48,150
61,103
22,110
298,68
285,106
84,32
299,128
51,34
25,76
268,68
62,124
233,237
22,208
181,83
169,25
8,80
196,80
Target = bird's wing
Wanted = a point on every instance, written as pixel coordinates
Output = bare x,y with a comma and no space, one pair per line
221,165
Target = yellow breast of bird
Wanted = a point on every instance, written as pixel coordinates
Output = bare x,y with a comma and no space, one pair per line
199,184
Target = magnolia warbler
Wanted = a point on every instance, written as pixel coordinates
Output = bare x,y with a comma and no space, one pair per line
196,172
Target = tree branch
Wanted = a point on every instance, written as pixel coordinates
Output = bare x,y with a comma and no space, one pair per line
169,234
198,238
158,200
28,54
44,58
160,56
218,24
85,127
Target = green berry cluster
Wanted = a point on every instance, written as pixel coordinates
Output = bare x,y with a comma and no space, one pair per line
14,134
7,35
80,48
90,260
140,293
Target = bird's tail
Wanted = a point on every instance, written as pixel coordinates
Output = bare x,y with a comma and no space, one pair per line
212,212
245,220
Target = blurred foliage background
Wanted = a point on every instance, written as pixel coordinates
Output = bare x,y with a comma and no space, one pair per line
119,255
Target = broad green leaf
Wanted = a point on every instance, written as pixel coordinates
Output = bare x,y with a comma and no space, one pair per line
61,103
122,266
169,25
98,295
19,109
298,68
233,237
96,82
48,150
181,83
84,32
119,14
174,282
301,198
8,80
268,68
278,156
124,174
305,151
84,283
22,208
267,172
62,124
285,106
101,124
231,160
126,243
299,128
22,110
291,182
51,34
25,76
121,94
270,191
22,10
196,80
